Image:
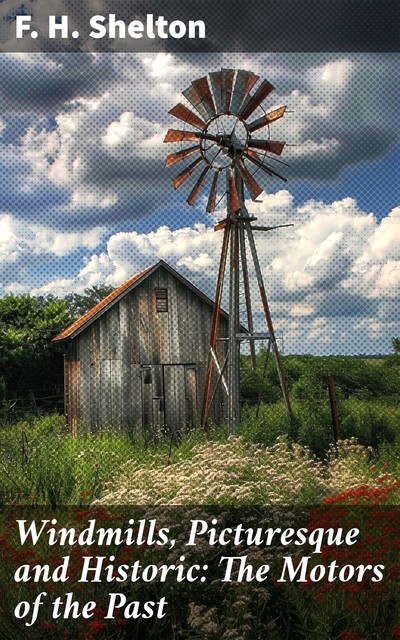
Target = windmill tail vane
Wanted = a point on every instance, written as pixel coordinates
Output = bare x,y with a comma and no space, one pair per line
220,124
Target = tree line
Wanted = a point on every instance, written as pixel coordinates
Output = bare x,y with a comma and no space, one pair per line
28,359
29,362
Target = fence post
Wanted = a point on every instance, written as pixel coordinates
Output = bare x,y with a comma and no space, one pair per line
334,411
33,403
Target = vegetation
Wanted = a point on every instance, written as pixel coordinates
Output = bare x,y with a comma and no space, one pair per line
234,472
281,464
80,303
27,360
235,477
42,462
367,394
31,366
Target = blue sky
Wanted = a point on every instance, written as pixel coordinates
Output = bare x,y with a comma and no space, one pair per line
85,199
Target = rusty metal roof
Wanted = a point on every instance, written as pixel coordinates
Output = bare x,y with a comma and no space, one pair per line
100,307
91,315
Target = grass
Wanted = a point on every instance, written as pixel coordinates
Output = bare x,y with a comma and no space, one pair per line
236,472
41,463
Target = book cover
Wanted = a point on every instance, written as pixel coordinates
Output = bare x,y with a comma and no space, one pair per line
157,157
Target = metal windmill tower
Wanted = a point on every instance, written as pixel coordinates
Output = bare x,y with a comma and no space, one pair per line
228,152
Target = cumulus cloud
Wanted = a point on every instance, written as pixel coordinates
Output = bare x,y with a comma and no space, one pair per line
17,238
385,241
82,158
163,65
96,128
28,253
321,299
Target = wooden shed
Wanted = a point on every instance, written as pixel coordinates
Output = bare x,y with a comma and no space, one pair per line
138,359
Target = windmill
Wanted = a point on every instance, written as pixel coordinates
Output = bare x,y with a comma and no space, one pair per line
224,145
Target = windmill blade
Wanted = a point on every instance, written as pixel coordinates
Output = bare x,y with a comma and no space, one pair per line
198,186
227,76
272,146
183,175
253,154
212,198
202,87
254,101
233,196
179,135
172,158
266,119
252,185
245,81
193,97
262,166
183,113
216,87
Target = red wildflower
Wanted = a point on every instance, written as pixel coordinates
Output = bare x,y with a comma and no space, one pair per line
96,626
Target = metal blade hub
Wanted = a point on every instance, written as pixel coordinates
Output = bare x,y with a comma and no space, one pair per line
230,137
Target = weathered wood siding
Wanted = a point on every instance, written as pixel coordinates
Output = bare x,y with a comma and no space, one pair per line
136,367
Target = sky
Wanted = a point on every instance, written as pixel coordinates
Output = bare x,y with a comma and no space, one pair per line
85,199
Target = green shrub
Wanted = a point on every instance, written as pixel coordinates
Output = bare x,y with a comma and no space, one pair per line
315,425
372,423
271,423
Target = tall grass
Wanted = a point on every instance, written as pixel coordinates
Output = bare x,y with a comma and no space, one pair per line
238,473
373,423
273,461
42,463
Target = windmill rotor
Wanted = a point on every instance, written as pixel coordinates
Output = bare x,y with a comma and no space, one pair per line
227,147
220,119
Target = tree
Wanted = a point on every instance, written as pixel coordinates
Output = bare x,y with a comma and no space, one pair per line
396,346
27,358
78,304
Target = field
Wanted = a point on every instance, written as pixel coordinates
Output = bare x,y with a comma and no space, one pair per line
42,463
272,471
